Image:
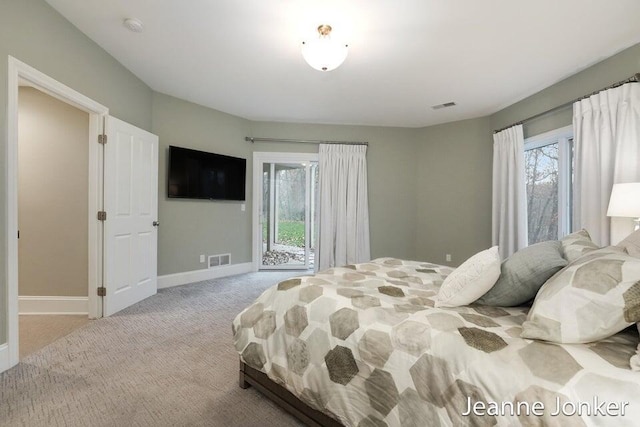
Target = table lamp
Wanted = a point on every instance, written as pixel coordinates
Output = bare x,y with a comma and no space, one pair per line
625,201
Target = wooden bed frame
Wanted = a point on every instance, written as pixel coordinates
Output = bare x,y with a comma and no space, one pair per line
281,396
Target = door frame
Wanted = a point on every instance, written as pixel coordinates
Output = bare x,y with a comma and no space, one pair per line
19,71
259,158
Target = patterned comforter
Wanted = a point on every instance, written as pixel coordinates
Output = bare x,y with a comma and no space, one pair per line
364,344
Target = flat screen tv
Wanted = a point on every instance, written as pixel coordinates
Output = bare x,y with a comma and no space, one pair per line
200,175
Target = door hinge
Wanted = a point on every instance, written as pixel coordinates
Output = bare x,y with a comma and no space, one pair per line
102,216
102,139
102,291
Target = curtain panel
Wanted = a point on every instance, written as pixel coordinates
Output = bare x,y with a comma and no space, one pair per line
509,209
344,206
606,152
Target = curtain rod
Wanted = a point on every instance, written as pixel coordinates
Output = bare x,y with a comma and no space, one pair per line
633,79
302,141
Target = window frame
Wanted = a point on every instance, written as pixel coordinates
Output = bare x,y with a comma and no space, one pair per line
564,138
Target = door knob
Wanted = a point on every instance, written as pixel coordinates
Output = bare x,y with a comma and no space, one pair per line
156,223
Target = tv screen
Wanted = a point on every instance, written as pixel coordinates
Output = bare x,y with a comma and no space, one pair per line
200,175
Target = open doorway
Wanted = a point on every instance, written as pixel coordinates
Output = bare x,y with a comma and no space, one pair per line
22,75
285,190
53,202
122,178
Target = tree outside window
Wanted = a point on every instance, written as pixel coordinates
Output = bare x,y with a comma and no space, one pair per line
541,168
548,180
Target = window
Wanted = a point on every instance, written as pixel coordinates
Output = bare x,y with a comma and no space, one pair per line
549,181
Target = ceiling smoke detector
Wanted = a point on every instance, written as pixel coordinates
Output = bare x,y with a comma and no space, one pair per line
445,105
133,25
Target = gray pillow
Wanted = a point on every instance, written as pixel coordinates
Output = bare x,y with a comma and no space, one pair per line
524,273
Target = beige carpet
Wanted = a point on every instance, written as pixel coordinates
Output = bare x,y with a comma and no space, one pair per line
38,331
167,361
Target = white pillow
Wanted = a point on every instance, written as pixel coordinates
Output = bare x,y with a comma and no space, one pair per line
471,280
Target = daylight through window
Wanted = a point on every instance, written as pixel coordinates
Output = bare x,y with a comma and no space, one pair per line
549,179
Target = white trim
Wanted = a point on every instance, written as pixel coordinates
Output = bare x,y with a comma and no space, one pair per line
11,215
18,70
259,158
177,279
53,305
565,190
96,203
307,213
4,357
547,138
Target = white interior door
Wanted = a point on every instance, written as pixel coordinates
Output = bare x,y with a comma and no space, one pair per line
131,204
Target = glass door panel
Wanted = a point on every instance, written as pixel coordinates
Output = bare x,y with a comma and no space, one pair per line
285,216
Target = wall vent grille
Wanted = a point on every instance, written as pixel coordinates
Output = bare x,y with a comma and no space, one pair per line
219,260
445,105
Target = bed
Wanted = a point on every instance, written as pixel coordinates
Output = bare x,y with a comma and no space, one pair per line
363,345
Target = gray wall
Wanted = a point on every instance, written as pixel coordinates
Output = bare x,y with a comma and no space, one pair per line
592,79
189,228
31,31
391,171
53,192
612,70
455,161
453,192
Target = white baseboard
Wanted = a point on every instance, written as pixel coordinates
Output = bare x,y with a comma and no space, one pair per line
4,357
53,305
178,279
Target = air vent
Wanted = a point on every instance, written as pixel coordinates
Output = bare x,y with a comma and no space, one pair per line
445,105
219,260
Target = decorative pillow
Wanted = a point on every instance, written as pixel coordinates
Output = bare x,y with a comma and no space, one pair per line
635,359
631,244
577,244
592,298
523,273
471,280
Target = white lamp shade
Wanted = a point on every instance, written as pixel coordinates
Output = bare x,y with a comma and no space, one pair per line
625,200
324,54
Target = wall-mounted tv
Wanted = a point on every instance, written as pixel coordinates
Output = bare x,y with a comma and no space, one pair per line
200,175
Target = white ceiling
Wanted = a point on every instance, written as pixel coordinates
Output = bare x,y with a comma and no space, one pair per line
243,56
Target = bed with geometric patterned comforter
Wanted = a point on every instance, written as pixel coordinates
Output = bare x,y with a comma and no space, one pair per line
365,345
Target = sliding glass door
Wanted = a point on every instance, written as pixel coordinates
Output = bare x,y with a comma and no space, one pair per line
285,236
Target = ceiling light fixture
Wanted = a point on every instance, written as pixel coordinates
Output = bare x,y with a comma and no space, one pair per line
133,25
324,53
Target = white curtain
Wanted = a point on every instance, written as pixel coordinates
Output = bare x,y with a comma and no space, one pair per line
344,207
607,151
509,209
